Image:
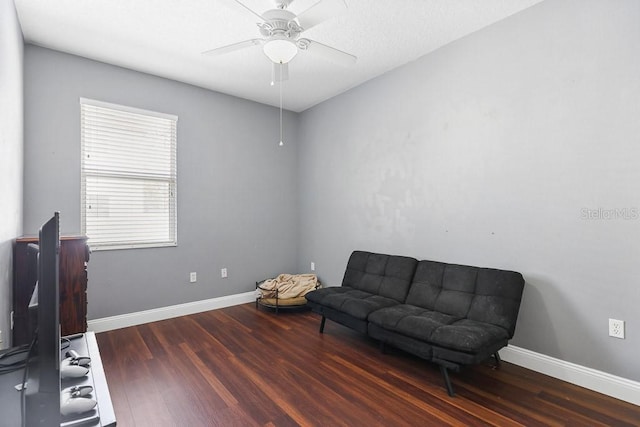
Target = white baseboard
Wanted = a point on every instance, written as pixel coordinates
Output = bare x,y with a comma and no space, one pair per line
601,382
131,319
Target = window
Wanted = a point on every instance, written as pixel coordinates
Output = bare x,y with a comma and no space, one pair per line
128,173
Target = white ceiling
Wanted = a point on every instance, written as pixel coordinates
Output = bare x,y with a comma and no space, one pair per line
166,38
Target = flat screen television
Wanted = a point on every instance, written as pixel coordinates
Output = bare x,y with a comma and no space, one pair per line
42,394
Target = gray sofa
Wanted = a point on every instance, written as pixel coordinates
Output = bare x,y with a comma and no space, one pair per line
452,315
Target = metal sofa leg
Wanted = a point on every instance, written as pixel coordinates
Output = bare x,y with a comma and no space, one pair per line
447,381
498,360
322,324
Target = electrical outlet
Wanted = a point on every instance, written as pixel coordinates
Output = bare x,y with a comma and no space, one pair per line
313,266
616,328
193,277
0,337
223,273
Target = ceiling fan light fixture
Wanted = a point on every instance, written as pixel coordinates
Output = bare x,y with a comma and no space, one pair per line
280,50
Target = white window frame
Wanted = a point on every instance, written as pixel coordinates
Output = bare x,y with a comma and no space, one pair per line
128,176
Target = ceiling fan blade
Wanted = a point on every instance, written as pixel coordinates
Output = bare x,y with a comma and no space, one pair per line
327,52
319,12
279,72
249,9
232,47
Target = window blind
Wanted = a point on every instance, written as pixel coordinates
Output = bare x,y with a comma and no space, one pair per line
128,173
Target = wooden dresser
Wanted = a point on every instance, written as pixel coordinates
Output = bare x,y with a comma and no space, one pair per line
74,256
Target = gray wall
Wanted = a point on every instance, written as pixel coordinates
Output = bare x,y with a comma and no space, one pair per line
237,191
11,146
486,152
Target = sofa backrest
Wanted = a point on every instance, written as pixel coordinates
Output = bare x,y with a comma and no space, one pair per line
386,275
482,294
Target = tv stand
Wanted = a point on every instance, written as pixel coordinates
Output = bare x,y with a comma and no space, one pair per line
103,414
86,345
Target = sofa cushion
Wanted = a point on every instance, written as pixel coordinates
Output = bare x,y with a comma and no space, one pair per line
468,335
483,294
357,303
319,295
497,298
426,285
386,275
446,288
412,321
351,301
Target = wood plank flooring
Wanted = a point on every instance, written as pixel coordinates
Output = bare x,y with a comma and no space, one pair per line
240,366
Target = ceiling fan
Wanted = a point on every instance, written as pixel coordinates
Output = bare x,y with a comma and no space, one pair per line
281,31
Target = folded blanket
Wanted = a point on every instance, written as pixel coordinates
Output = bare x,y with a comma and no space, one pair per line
289,285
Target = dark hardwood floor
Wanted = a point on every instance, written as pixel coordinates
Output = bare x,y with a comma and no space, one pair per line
239,366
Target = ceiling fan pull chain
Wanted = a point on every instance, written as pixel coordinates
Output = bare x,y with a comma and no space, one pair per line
281,142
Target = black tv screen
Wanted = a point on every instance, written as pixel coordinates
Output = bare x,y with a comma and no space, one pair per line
42,397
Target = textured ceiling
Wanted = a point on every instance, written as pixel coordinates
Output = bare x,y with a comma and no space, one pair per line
166,38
